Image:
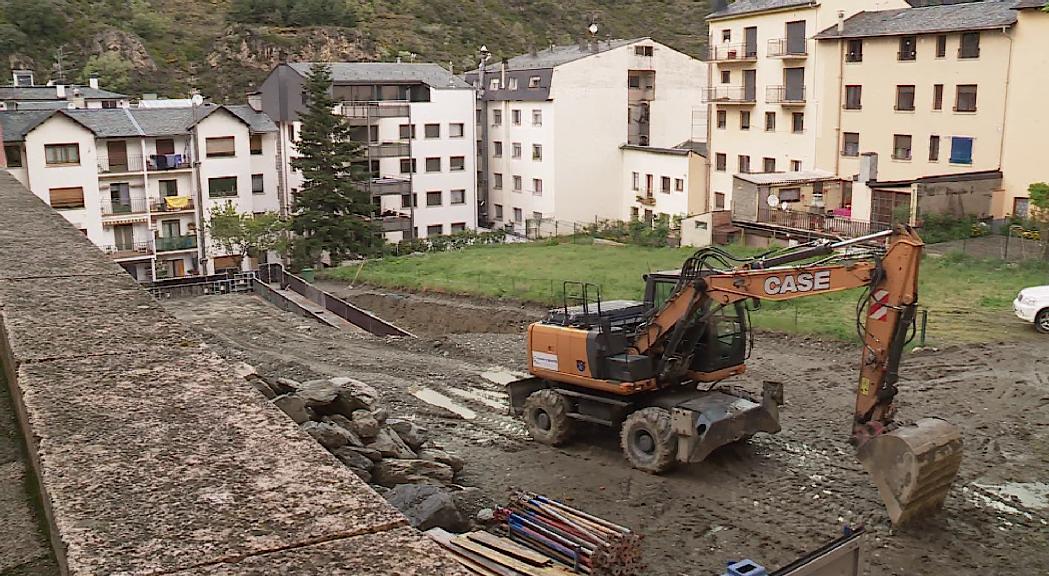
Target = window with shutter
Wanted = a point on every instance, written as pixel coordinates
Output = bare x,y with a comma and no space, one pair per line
224,146
67,198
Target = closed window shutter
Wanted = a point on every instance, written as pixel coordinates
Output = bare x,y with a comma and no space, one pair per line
221,146
67,197
962,150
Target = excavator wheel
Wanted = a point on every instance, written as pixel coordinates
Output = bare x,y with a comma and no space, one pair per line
913,466
648,440
546,415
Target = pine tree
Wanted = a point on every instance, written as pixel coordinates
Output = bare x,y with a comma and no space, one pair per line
332,211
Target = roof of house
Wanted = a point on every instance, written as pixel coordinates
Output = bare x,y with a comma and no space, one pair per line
131,122
985,15
741,7
775,178
695,146
558,55
38,105
1029,4
433,75
15,124
51,93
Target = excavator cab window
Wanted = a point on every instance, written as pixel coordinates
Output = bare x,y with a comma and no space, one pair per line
662,290
724,341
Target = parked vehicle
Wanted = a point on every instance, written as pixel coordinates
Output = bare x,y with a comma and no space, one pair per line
1032,305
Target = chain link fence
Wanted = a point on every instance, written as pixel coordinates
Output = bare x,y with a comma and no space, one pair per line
997,240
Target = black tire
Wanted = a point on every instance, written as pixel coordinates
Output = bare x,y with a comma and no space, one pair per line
1041,321
648,441
546,415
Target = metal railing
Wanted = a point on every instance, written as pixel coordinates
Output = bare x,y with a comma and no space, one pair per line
647,200
784,94
130,163
388,186
131,206
160,205
132,250
398,223
730,94
782,48
368,109
171,243
732,53
831,225
161,162
389,149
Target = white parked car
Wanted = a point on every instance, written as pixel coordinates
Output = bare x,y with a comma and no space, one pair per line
1032,305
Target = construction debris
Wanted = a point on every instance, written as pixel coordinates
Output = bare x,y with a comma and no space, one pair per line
544,537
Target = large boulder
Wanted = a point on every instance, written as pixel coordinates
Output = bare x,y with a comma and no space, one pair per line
350,457
390,445
261,385
362,474
427,507
318,394
294,407
413,435
353,395
369,453
391,472
329,435
365,424
344,423
380,414
286,386
437,455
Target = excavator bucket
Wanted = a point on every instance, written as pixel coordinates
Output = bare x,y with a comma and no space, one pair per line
913,466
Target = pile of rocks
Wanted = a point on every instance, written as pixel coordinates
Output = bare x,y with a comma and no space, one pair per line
395,455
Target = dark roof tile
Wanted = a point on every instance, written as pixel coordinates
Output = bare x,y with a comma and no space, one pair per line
986,15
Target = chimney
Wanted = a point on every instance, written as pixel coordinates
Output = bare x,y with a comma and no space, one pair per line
60,91
93,82
255,101
841,21
868,167
22,77
502,74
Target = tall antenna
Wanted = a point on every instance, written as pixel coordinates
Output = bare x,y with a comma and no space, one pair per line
59,66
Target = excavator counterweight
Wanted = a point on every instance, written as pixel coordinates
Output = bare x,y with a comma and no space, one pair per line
649,369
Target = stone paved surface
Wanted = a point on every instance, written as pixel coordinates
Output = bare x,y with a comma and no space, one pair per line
154,457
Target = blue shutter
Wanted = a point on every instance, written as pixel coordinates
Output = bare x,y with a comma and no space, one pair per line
961,150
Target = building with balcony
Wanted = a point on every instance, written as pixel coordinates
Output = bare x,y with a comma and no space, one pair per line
416,126
140,183
945,94
763,73
557,127
663,183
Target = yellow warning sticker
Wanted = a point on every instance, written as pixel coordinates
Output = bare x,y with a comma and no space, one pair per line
865,386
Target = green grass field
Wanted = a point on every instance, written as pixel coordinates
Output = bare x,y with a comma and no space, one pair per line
968,300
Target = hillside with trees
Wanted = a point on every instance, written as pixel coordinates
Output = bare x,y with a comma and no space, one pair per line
225,47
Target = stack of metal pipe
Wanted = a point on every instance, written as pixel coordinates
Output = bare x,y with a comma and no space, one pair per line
582,542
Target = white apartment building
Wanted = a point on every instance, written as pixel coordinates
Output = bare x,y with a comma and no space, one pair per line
24,94
416,122
661,183
140,183
553,125
765,83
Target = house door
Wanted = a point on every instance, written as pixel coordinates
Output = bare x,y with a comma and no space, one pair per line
120,198
170,228
116,150
750,39
750,85
648,184
794,79
124,237
888,207
178,268
796,37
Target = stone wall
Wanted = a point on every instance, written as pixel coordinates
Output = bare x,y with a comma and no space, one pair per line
152,455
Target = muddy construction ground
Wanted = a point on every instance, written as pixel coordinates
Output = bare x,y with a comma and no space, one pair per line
771,499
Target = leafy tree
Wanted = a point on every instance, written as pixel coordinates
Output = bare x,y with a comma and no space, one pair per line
114,73
1039,212
271,12
245,234
320,13
332,212
37,19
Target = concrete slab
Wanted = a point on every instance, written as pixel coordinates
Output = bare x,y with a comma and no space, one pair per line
400,552
45,318
157,462
20,540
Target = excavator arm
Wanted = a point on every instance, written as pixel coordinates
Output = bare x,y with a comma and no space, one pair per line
913,465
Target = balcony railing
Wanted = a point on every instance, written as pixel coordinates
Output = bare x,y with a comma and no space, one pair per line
171,204
389,150
131,206
161,162
647,199
788,48
733,53
172,243
368,110
388,186
813,222
786,95
130,163
398,223
730,95
129,250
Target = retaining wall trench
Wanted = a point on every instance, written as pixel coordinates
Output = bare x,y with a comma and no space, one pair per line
152,456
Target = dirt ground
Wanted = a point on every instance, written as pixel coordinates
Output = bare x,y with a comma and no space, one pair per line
771,499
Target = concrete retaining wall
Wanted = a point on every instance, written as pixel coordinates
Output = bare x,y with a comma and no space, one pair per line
152,456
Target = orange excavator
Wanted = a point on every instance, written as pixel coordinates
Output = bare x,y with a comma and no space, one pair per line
650,369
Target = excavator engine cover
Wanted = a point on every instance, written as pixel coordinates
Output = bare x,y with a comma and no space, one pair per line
913,466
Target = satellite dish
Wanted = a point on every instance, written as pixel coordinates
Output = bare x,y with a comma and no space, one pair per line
773,201
593,28
197,99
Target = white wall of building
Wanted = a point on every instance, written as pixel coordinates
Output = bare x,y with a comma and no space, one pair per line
673,202
526,201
